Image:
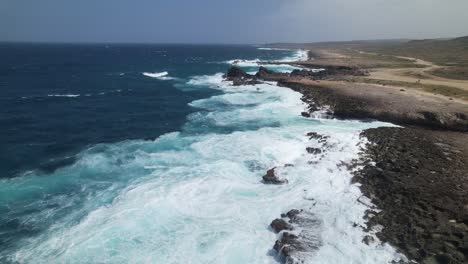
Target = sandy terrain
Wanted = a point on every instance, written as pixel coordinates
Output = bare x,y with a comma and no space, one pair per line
417,75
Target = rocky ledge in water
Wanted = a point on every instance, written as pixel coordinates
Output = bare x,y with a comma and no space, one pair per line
299,235
269,75
420,182
240,77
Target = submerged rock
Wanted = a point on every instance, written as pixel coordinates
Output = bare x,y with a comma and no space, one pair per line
313,150
315,135
272,178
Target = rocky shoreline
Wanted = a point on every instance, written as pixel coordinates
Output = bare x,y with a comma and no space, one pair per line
416,176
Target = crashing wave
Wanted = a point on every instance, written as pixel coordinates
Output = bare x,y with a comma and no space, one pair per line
212,81
245,63
299,55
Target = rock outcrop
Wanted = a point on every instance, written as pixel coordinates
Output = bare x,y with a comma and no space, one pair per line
299,235
240,77
269,75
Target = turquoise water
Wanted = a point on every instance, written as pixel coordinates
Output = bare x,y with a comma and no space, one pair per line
195,195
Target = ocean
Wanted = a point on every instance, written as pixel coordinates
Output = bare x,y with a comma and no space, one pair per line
143,154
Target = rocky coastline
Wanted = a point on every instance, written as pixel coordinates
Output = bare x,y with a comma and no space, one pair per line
417,176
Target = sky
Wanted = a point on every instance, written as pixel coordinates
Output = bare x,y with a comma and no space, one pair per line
229,21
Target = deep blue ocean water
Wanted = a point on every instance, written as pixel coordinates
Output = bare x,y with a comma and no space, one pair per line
42,128
143,154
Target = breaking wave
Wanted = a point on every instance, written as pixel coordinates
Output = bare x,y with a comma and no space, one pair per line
64,95
164,76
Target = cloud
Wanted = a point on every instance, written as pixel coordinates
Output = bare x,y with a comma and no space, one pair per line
313,20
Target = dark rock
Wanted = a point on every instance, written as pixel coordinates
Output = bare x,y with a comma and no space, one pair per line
293,213
313,150
423,197
236,72
272,178
368,240
306,238
240,77
239,82
315,135
288,244
301,73
279,225
268,75
305,114
263,71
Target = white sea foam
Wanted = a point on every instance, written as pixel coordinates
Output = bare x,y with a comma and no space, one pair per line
272,49
299,55
257,63
164,76
197,198
211,81
63,95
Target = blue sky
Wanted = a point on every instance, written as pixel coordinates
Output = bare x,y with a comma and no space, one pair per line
234,21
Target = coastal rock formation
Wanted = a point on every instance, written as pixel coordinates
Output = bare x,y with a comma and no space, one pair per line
299,235
240,77
272,178
236,72
362,101
420,182
269,75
